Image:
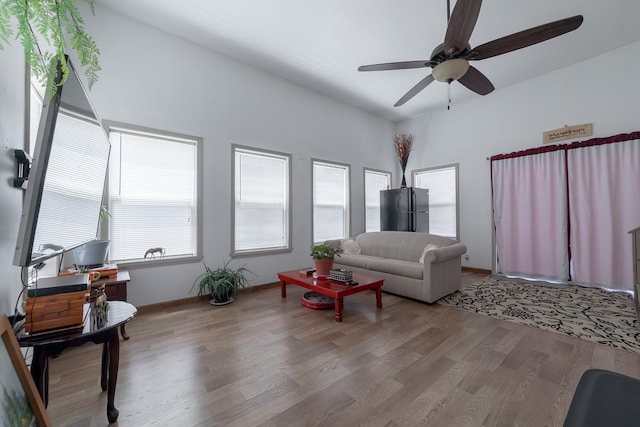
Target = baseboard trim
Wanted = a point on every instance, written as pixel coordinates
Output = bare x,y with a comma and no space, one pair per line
476,270
168,305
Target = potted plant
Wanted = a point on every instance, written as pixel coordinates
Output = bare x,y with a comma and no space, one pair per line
221,283
52,22
323,256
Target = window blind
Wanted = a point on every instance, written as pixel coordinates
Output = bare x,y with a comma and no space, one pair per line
441,183
330,201
374,182
261,200
152,195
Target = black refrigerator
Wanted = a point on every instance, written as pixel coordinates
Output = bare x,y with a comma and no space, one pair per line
404,209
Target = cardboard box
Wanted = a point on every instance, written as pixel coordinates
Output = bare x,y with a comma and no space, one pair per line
52,312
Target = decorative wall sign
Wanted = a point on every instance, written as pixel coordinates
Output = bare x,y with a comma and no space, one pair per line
567,132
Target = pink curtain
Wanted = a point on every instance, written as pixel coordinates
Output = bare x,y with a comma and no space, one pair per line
604,205
563,212
530,205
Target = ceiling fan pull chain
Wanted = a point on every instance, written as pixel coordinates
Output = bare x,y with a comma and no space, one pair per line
449,96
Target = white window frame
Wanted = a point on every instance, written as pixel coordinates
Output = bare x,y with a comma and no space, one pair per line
433,192
347,196
286,247
388,176
178,138
36,102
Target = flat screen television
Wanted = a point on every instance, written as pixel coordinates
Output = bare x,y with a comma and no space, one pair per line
61,207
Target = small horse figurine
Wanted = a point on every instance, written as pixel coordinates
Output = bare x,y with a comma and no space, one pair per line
100,306
153,251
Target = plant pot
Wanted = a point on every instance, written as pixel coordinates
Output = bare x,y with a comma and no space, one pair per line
323,267
91,254
214,302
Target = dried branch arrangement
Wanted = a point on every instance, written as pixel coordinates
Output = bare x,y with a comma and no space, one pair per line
403,143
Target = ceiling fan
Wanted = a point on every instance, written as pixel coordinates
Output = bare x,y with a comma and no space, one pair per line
450,60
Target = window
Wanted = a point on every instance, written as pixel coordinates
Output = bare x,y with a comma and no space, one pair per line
442,183
330,201
36,100
261,188
153,194
374,182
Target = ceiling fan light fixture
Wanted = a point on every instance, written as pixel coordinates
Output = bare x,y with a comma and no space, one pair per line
450,70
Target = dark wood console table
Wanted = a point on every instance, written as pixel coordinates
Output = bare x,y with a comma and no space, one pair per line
116,290
52,344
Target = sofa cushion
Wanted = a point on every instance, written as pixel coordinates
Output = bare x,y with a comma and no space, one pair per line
356,260
403,245
350,247
397,267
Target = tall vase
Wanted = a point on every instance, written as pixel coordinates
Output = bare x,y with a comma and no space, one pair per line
403,184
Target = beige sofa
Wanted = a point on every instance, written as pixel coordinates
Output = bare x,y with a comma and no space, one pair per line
396,255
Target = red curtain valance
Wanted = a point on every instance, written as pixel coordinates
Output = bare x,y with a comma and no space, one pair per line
578,144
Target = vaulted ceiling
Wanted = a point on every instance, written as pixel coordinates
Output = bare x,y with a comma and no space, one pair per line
320,44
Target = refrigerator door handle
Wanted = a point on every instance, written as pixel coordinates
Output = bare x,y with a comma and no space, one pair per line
414,203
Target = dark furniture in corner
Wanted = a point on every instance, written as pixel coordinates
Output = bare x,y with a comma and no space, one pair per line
605,398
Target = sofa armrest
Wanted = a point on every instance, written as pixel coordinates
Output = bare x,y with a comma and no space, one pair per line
445,253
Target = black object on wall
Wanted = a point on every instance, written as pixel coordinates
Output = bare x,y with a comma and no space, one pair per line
404,209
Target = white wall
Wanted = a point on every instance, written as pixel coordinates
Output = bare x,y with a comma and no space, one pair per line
602,91
12,111
155,80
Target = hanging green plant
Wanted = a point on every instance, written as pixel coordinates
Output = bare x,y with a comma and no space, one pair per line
56,22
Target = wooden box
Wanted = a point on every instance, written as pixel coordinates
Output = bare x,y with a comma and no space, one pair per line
59,311
107,270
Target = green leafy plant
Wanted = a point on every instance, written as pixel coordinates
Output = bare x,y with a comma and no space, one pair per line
54,22
105,215
325,251
222,283
15,409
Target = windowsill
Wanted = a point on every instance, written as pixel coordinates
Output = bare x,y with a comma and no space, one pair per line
260,252
132,265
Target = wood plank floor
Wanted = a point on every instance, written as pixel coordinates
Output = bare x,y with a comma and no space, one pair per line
272,362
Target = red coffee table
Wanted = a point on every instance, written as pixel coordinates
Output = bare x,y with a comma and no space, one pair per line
330,288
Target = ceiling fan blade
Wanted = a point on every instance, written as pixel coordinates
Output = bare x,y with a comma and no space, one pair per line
525,38
476,81
414,90
463,20
405,65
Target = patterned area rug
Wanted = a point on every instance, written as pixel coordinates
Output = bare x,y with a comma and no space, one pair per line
587,313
